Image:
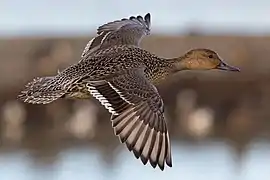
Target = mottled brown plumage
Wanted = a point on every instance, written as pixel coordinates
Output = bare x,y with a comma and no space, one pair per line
122,76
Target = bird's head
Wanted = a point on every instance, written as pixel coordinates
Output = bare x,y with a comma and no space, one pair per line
202,59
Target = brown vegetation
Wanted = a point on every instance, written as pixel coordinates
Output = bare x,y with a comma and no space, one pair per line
234,106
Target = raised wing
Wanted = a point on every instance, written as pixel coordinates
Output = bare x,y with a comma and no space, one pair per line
125,31
137,115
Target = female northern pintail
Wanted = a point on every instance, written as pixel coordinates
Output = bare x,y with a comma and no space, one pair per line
122,76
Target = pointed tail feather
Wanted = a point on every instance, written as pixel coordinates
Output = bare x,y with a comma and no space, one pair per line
41,91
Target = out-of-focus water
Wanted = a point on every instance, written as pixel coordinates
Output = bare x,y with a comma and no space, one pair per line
203,161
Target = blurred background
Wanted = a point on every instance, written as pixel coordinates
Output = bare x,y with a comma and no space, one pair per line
218,121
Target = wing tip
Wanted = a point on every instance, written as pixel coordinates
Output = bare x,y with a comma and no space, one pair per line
144,160
129,146
161,167
147,19
137,154
169,161
147,16
153,163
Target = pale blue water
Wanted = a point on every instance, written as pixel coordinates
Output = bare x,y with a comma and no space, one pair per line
207,161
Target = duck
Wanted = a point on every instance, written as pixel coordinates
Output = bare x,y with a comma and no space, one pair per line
123,77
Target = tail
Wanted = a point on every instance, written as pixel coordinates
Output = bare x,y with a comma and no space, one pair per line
41,91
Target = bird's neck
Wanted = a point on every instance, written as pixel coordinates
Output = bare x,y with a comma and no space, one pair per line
177,64
168,67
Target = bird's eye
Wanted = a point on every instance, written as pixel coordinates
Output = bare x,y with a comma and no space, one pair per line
210,56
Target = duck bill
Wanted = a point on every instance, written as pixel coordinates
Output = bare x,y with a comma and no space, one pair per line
225,67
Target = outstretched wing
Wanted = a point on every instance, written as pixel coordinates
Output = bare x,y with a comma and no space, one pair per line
125,31
137,115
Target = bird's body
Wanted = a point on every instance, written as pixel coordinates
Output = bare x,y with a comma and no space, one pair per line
122,76
105,64
115,59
